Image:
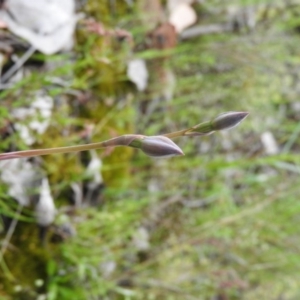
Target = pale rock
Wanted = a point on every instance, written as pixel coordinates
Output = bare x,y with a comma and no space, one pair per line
45,210
93,170
20,177
137,72
48,25
269,143
40,111
182,16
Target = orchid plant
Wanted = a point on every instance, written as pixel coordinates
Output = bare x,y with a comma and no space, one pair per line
154,146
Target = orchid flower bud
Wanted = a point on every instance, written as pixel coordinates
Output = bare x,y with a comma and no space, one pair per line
228,120
221,122
156,146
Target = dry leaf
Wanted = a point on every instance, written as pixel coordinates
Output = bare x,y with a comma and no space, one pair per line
163,37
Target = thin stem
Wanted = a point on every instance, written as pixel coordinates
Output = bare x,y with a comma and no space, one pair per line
123,140
18,64
197,130
176,133
39,152
10,232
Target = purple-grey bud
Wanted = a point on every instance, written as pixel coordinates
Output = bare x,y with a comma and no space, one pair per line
157,146
228,120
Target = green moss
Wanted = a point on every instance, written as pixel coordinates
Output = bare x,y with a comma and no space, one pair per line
26,261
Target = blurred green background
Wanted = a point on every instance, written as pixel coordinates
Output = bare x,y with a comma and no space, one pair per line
222,222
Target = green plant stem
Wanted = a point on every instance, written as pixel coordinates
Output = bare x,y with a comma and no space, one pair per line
175,134
123,140
39,152
197,130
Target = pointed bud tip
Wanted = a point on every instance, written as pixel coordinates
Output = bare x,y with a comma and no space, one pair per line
160,146
228,120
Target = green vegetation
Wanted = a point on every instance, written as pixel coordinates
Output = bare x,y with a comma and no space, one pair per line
221,222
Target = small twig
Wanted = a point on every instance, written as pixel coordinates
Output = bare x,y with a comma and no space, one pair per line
204,30
19,63
10,232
